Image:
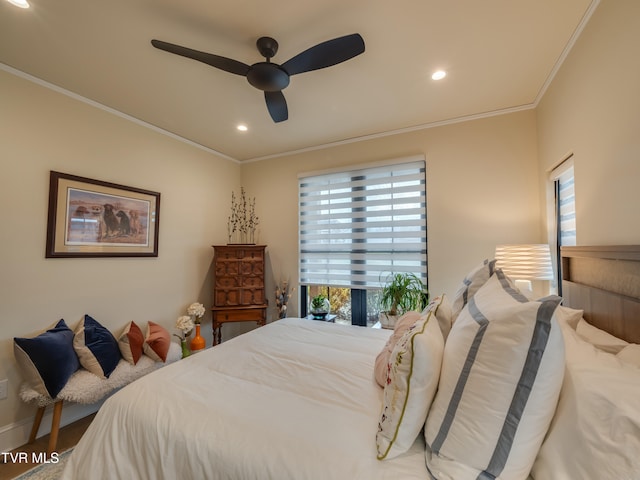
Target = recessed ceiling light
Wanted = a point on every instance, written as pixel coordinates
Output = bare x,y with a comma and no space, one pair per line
439,75
242,128
20,3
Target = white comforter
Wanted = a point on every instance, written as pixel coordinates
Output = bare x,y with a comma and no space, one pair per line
295,399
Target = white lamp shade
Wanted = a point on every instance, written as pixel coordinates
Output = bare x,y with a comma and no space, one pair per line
526,262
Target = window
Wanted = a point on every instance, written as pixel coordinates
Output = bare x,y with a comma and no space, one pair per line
359,225
565,211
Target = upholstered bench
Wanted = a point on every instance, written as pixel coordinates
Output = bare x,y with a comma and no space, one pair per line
86,388
86,365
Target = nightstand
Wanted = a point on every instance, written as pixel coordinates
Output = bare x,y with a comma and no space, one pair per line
329,318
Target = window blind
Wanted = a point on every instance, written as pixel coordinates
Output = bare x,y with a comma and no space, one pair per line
357,226
566,208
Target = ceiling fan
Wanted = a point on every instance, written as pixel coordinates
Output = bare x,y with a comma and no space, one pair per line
271,77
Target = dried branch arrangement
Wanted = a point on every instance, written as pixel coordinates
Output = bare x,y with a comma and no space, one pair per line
242,224
283,295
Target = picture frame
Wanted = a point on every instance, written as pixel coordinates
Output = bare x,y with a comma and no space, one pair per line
92,218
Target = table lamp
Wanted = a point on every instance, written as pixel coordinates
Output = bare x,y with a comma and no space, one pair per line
524,263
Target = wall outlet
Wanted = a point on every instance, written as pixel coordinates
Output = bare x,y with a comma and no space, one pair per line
4,386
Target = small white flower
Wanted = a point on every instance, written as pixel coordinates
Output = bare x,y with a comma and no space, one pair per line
184,324
196,310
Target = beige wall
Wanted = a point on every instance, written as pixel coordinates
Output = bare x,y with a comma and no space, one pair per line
593,110
41,130
482,190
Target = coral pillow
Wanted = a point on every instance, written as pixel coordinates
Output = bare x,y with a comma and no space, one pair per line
48,360
96,347
414,370
131,342
157,342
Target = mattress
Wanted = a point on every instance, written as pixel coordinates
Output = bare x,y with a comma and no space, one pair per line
295,399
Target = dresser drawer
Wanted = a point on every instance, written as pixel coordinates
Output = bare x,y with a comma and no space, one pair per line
240,315
227,268
252,297
226,297
223,281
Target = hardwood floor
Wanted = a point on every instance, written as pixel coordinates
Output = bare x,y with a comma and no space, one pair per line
67,438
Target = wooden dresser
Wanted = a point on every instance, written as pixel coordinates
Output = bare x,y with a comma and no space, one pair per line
238,286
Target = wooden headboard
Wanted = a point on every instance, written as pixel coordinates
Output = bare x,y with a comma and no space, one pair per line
604,281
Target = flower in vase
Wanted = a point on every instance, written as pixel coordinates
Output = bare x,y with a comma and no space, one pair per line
196,310
184,325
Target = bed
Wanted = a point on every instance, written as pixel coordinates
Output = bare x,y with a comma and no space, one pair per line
297,399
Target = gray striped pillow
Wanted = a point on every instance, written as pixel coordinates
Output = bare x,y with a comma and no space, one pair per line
502,371
472,282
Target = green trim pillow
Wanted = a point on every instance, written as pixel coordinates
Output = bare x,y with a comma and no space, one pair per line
381,369
414,371
96,347
48,360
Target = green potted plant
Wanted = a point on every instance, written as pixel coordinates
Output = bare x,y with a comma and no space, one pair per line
320,307
401,293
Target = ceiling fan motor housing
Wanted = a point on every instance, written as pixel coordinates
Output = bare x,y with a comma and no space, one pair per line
268,77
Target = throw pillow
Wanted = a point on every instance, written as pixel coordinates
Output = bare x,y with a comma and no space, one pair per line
96,347
156,342
48,360
131,342
414,370
444,314
595,433
599,338
501,376
471,283
630,355
382,360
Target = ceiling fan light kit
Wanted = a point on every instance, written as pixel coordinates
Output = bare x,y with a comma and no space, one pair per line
270,77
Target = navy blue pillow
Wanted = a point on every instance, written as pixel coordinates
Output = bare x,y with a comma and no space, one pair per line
48,360
96,347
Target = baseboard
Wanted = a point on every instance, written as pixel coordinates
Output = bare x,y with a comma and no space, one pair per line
16,434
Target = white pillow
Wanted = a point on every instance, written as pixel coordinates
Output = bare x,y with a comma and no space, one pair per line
571,316
595,433
414,370
630,355
599,338
444,313
470,285
501,376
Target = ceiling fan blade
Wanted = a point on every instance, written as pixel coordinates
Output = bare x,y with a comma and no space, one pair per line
325,54
223,63
277,106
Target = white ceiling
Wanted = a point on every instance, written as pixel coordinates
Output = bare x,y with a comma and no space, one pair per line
499,55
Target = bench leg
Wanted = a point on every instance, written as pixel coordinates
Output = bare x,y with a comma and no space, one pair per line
55,427
36,424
